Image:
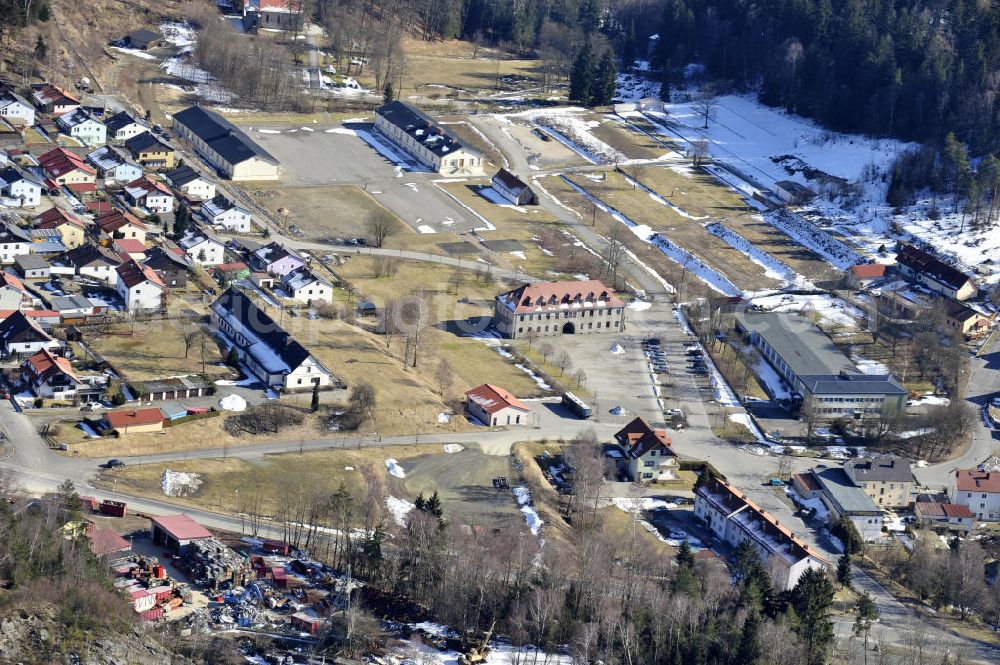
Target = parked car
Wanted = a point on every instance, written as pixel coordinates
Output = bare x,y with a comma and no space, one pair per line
115,464
676,534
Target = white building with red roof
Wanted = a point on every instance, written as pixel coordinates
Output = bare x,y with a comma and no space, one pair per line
140,287
496,406
150,194
979,490
50,375
549,309
67,169
646,452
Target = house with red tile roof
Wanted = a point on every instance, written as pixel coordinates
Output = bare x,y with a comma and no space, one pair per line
125,421
864,274
646,452
140,287
50,375
979,490
104,541
129,248
71,227
13,295
956,517
150,194
496,406
121,224
551,309
67,169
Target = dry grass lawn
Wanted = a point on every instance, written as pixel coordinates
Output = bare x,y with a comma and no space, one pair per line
155,350
325,212
447,70
461,128
641,208
631,143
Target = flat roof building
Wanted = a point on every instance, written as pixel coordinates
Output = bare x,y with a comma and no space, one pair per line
176,532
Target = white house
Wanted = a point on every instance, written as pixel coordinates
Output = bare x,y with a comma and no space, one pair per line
150,194
306,286
21,335
18,189
123,126
495,406
113,166
645,452
513,189
224,145
14,241
140,287
192,184
223,213
84,127
265,348
92,261
979,490
15,109
203,248
735,519
428,142
13,295
50,375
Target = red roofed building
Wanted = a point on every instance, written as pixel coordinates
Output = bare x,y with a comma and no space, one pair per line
125,421
140,287
549,309
979,490
13,295
646,452
50,375
495,406
120,224
175,532
70,226
865,273
129,248
104,541
956,517
67,169
151,194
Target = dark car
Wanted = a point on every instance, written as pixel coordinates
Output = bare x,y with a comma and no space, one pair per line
115,464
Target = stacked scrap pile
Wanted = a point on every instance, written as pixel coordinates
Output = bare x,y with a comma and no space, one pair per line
145,583
214,565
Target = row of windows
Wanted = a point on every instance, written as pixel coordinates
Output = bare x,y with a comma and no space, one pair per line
590,326
969,495
849,410
566,315
851,400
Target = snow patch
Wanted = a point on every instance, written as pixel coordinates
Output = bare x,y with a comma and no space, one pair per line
394,468
179,483
531,518
399,508
453,448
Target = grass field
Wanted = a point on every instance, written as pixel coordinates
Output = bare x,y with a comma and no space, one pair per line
321,213
632,144
446,69
461,128
641,208
155,350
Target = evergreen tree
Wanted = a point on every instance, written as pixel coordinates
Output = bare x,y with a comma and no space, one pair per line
684,556
590,16
314,405
866,614
388,94
748,652
811,600
420,503
845,575
41,50
182,220
629,48
434,506
233,357
581,78
70,499
606,83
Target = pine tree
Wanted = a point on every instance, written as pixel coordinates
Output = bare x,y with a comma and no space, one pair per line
233,357
581,78
314,406
684,556
629,48
182,220
811,599
606,83
420,503
844,573
748,652
70,499
388,94
866,614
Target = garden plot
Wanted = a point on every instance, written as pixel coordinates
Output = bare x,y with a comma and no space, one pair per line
678,237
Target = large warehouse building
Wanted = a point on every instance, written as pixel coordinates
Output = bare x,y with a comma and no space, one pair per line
224,145
432,145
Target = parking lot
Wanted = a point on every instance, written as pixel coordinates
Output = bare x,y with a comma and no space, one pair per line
318,158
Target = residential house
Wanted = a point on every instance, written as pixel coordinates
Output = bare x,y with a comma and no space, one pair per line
955,517
969,322
13,295
548,309
46,242
83,126
513,189
495,406
806,485
21,335
429,143
169,265
51,99
227,272
265,348
275,260
121,224
67,169
306,286
151,152
203,248
127,248
76,306
142,39
113,166
845,499
18,189
15,109
150,194
816,372
32,266
93,261
122,126
933,273
223,213
192,184
14,241
646,452
70,226
135,421
49,375
865,274
43,318
979,490
224,145
734,519
272,15
887,479
139,287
